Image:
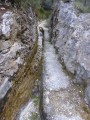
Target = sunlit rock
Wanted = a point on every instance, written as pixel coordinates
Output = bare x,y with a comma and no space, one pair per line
70,34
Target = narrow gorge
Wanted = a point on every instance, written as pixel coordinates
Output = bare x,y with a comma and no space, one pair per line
44,63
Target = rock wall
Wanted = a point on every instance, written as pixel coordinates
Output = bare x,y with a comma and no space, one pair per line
70,34
19,60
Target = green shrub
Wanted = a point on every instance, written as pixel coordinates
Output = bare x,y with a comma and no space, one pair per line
36,5
80,6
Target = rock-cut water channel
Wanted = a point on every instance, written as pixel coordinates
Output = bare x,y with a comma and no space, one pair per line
58,97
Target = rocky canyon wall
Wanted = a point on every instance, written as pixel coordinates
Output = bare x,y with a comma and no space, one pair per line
70,34
19,60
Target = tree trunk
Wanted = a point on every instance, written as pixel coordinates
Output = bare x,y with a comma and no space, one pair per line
85,1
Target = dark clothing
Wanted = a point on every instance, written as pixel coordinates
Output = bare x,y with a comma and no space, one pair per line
41,29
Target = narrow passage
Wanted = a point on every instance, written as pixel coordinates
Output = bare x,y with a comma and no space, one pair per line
62,99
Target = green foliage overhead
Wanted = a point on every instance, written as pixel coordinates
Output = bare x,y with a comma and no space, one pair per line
36,5
83,6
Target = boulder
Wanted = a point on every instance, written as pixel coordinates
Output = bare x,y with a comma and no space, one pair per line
17,39
70,34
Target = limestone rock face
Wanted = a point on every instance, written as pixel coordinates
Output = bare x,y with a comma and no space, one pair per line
17,39
9,25
70,34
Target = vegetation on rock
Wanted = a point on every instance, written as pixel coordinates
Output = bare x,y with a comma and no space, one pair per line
83,5
41,8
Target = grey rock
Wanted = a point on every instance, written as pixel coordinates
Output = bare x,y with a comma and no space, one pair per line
61,98
13,52
87,95
4,88
72,41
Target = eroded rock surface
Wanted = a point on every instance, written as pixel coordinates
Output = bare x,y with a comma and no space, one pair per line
62,100
18,45
71,37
